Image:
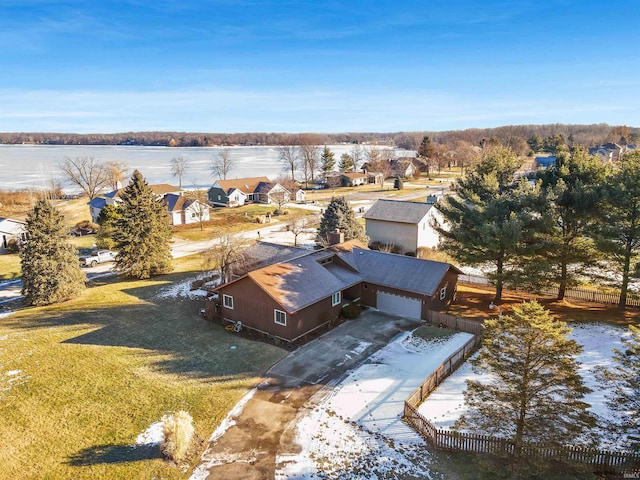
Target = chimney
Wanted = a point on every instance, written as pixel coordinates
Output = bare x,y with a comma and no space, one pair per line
336,237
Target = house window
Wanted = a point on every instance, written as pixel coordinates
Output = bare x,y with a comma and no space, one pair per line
219,197
335,299
443,292
193,214
280,317
227,301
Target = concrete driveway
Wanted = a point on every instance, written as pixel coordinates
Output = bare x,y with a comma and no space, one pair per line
264,427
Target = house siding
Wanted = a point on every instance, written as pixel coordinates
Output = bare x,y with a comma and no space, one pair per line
255,309
213,194
429,302
403,235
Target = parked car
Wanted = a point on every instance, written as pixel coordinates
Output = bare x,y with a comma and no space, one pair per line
99,256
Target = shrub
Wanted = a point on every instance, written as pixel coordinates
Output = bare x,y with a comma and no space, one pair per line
178,434
13,246
351,311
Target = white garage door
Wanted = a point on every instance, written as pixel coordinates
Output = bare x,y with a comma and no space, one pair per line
399,305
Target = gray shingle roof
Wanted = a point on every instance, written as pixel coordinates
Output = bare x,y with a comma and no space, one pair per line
261,254
397,271
303,281
398,211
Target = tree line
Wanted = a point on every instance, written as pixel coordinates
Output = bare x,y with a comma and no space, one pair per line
514,136
577,220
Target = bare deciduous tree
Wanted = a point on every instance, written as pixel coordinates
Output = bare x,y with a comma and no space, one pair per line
300,225
310,153
87,173
222,164
179,166
226,250
201,206
289,156
116,173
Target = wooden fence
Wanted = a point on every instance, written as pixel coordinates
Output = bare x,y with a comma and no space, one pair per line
454,323
585,294
600,461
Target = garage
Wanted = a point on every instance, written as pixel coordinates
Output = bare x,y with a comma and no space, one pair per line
399,305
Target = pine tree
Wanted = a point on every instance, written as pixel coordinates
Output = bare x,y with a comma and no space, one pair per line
107,220
618,232
533,392
492,218
573,192
346,163
624,400
339,215
327,161
50,268
143,233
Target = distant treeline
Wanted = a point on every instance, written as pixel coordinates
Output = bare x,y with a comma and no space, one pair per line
514,136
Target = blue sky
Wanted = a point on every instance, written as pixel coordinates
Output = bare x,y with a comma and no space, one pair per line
316,66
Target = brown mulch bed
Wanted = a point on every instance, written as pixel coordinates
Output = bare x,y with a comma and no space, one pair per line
473,302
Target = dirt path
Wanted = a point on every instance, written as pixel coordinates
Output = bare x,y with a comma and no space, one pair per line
265,427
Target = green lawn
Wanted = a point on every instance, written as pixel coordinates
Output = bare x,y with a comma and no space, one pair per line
10,266
80,380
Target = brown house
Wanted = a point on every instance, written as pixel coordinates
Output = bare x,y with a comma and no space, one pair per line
297,296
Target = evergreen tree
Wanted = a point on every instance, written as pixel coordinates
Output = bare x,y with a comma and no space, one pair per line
398,184
327,161
624,400
108,220
143,233
425,153
339,215
346,163
619,227
535,143
533,392
573,193
50,267
492,220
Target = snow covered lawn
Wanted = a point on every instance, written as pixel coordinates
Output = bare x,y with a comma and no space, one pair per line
445,405
356,431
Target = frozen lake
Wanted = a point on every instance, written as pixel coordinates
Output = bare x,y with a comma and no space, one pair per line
29,166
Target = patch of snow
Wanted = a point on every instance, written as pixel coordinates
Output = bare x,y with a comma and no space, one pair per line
357,430
11,373
183,289
446,404
154,435
362,346
5,314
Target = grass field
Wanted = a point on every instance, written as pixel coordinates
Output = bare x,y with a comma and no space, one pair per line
80,380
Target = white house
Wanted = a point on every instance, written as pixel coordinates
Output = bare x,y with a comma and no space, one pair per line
184,211
11,230
403,224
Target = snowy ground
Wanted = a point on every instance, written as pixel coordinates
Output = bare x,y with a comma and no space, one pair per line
356,431
446,404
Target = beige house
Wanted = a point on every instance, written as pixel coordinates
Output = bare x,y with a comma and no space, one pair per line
403,224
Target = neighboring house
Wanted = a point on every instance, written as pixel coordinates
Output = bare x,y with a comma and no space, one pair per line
300,195
545,162
114,197
184,211
375,177
403,167
404,224
353,179
11,230
294,297
611,152
234,193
